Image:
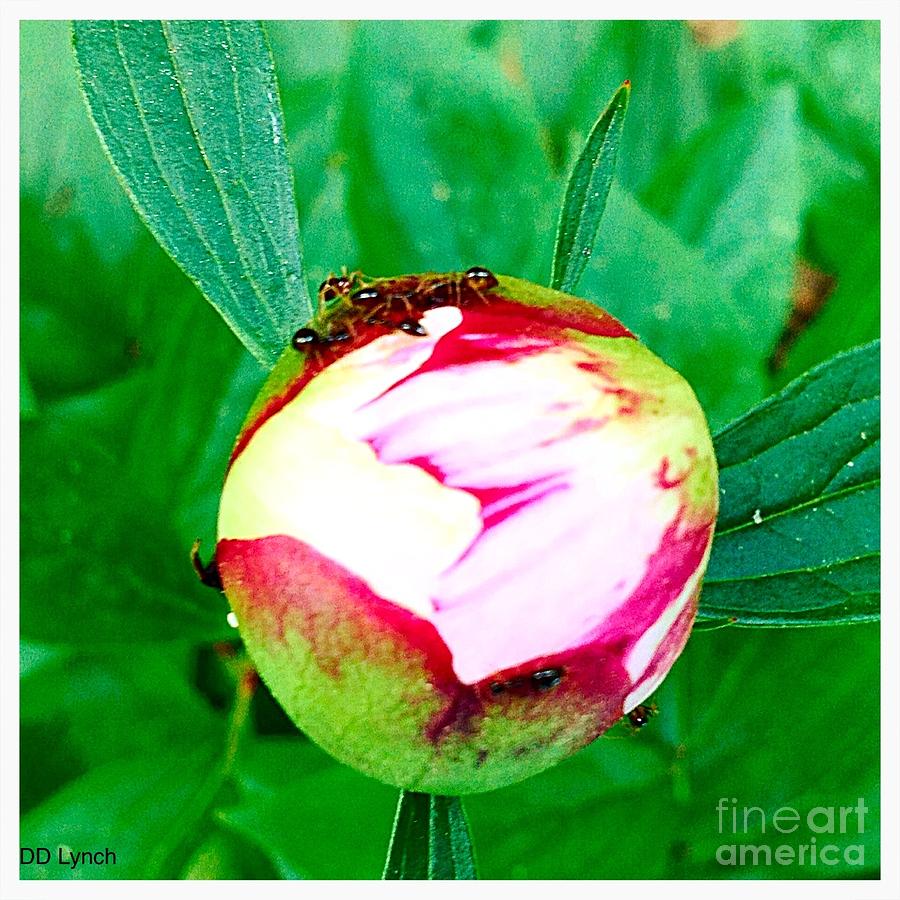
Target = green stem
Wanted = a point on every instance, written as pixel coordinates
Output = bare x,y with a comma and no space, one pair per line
430,840
171,854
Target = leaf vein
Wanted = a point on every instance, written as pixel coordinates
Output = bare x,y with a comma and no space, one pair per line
248,268
815,571
820,499
179,202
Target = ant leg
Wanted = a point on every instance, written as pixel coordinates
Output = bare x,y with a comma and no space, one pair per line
479,295
209,573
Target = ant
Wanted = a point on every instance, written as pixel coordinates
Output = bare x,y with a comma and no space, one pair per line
390,303
477,279
542,680
208,573
641,715
340,286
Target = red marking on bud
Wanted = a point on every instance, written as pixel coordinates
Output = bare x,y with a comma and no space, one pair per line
631,400
679,554
341,618
579,426
663,479
600,367
458,715
501,330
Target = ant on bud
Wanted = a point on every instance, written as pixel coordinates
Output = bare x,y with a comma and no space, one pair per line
304,337
396,304
480,279
208,573
641,715
339,286
365,295
540,681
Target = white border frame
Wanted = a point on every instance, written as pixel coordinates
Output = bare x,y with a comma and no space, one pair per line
886,10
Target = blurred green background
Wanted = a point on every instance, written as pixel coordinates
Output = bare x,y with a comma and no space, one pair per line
746,203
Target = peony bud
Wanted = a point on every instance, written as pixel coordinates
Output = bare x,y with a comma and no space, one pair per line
464,527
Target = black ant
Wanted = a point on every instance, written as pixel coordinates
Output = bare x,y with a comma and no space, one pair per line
378,302
207,573
480,279
641,715
337,286
365,296
477,279
542,680
304,337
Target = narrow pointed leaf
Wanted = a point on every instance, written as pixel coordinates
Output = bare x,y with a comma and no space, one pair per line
797,541
190,117
408,851
450,855
430,840
586,194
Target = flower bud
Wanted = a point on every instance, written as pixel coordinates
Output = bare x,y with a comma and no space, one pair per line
464,527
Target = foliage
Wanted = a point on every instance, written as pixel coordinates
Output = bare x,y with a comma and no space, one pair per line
430,840
586,194
441,145
797,540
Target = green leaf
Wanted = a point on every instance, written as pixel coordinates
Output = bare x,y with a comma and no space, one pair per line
105,571
190,117
797,540
836,66
586,194
129,806
429,122
119,480
737,716
87,319
735,191
322,821
81,710
137,414
662,289
430,840
789,721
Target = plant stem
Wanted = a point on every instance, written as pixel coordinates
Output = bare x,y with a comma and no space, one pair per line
169,857
430,840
